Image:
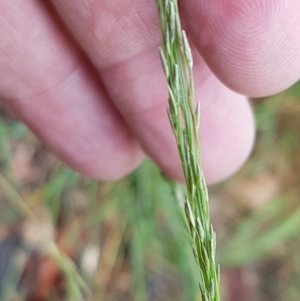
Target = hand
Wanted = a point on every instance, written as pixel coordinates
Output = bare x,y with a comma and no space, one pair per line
92,86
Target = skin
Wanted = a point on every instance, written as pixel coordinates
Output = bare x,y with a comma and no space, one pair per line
85,77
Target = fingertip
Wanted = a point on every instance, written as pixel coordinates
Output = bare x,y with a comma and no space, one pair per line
231,150
253,48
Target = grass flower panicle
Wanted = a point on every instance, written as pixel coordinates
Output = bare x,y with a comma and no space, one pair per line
184,116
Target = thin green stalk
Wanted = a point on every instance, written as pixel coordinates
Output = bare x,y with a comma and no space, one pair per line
14,197
76,286
184,117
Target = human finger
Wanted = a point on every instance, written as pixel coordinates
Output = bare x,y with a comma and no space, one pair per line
48,83
253,47
121,38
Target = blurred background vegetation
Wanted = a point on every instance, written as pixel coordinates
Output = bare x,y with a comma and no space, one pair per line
65,237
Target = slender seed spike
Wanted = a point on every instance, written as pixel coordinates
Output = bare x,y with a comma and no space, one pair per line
187,50
172,99
171,117
178,30
200,229
212,289
164,63
168,44
177,61
172,17
176,79
190,212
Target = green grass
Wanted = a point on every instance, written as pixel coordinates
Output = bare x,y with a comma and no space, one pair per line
184,116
